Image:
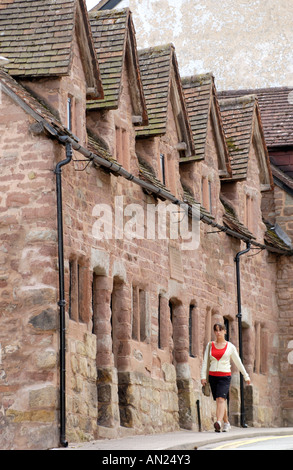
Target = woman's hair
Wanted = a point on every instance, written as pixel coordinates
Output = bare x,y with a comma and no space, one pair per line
220,326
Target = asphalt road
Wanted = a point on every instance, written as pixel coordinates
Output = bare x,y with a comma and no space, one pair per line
254,443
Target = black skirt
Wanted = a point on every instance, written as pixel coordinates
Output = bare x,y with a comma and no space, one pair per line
220,386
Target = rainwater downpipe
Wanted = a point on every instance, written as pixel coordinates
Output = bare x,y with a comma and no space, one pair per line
61,302
239,316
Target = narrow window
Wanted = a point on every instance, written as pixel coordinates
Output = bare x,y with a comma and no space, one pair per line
135,313
206,194
227,326
139,314
116,330
159,324
118,143
94,295
70,289
125,150
73,290
69,113
257,349
122,147
248,212
142,315
163,322
112,322
78,305
171,312
163,168
210,206
264,342
81,287
261,349
191,330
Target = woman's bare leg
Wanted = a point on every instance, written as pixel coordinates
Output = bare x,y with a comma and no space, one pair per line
221,411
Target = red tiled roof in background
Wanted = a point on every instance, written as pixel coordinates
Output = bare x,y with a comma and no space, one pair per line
276,108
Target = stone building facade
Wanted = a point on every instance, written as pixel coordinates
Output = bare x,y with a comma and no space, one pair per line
167,182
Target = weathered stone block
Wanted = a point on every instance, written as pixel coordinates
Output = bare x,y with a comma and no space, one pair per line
46,320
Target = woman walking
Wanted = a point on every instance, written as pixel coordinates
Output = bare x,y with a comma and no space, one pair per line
220,353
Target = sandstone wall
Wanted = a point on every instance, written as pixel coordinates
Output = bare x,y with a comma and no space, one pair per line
29,344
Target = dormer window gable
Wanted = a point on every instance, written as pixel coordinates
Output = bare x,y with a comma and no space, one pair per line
243,129
203,110
115,45
163,90
265,173
185,144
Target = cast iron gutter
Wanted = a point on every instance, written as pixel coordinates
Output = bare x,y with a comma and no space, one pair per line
61,303
239,316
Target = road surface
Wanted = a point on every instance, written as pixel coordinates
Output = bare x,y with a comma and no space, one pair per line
254,443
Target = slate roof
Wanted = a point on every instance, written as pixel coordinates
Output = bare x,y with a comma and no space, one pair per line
155,66
158,67
36,36
197,93
200,92
114,36
237,115
276,108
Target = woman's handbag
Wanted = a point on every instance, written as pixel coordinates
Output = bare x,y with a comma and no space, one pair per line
206,390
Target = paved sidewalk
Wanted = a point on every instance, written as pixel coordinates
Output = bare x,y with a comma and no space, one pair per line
180,440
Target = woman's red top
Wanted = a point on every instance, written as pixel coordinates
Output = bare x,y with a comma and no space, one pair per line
217,354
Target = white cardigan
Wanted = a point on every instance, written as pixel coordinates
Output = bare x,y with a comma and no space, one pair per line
224,364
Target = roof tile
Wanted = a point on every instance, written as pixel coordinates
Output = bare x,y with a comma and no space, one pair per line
237,115
33,30
197,92
27,25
